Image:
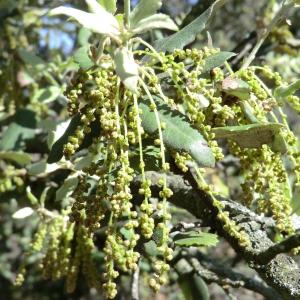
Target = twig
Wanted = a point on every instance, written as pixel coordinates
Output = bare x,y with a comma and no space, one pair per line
263,34
135,295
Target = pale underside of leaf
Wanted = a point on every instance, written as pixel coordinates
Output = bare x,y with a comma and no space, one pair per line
126,68
144,9
155,22
103,23
23,213
254,135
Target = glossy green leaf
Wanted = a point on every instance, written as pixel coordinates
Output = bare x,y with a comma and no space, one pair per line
82,58
285,91
109,5
144,9
126,68
254,135
188,34
195,238
19,157
178,134
56,152
216,60
157,21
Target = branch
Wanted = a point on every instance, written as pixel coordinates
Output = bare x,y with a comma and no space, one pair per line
237,279
284,246
282,272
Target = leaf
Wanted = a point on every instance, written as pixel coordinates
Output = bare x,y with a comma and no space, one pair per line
188,34
67,188
20,129
42,169
193,287
56,152
216,60
30,58
99,21
144,9
151,248
83,36
82,58
156,21
178,134
127,233
126,68
253,135
23,213
19,157
285,91
109,5
48,94
235,87
195,238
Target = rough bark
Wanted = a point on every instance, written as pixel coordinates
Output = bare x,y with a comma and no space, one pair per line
281,272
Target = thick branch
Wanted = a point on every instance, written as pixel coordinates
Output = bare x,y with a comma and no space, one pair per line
282,247
282,273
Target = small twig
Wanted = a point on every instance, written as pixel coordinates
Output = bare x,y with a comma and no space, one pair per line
263,34
282,247
135,295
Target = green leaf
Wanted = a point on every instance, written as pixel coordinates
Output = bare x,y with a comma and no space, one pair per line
109,5
126,68
188,34
285,91
254,135
42,169
144,9
67,188
56,152
20,129
193,287
30,58
156,21
83,36
82,58
19,157
48,94
151,248
195,238
99,21
216,60
127,233
235,87
178,134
